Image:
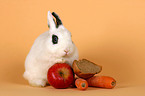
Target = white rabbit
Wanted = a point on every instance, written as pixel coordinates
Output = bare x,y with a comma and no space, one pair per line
53,46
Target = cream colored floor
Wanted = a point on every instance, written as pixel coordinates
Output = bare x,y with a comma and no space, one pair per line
10,89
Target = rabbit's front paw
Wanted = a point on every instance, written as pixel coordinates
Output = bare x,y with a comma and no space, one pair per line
60,61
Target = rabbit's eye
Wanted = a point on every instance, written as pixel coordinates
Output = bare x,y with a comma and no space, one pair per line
54,39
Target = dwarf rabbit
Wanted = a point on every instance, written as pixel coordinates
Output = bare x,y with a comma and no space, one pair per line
53,46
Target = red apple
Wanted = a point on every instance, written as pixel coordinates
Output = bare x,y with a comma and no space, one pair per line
60,75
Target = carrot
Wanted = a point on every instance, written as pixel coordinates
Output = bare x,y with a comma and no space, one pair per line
101,81
81,84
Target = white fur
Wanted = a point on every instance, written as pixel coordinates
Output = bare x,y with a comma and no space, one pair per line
44,53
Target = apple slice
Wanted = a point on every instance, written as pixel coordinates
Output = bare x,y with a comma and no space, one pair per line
85,69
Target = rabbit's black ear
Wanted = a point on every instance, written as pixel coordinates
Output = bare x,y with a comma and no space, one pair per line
51,22
58,21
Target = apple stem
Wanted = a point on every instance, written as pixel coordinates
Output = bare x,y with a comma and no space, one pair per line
61,74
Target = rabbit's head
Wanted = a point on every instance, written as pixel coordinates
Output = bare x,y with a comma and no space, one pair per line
59,42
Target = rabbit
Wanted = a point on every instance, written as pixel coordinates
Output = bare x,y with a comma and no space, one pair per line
51,47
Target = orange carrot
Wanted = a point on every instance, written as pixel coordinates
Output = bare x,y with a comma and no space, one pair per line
101,81
81,84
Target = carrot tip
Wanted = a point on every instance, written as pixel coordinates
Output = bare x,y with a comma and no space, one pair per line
113,83
83,85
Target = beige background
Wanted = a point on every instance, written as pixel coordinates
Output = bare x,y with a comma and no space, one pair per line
108,32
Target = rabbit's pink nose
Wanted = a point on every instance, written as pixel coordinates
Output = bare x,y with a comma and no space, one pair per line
66,51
